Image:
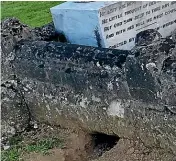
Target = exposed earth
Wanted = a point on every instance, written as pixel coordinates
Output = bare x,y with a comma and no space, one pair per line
76,144
80,145
73,146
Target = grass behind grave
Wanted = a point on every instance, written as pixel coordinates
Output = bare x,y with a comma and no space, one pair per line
31,13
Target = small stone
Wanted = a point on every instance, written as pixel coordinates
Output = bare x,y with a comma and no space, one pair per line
150,65
35,126
6,147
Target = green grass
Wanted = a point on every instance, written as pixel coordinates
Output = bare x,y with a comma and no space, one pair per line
12,154
43,146
32,13
15,152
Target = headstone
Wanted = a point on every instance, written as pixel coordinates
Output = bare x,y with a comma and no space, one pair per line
113,24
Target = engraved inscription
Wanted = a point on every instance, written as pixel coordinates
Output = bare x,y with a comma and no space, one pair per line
121,21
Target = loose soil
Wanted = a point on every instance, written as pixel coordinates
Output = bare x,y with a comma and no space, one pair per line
80,145
77,144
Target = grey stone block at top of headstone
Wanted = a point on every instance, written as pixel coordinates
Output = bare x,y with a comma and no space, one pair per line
113,24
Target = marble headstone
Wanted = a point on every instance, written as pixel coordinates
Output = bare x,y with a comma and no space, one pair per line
113,24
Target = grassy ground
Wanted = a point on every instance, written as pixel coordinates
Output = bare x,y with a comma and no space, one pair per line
31,13
18,148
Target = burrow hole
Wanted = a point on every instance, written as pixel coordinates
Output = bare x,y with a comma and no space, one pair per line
102,143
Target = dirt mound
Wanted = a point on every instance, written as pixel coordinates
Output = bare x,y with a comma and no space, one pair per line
55,155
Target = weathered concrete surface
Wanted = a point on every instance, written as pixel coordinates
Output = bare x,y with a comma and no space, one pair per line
13,31
117,92
15,113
